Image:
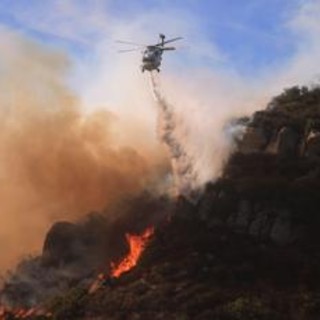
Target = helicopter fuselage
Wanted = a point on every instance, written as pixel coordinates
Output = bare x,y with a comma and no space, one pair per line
151,58
152,54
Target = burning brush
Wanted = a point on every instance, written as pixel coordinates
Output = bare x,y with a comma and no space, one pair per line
32,313
137,244
73,252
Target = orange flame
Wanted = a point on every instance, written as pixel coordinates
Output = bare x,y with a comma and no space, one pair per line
7,313
137,244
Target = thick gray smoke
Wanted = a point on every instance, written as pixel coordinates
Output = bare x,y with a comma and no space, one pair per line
184,172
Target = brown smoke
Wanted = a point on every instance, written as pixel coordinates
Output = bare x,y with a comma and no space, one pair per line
55,162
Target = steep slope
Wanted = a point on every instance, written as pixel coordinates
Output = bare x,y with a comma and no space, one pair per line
248,249
192,271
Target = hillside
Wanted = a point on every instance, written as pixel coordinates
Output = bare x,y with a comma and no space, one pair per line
248,249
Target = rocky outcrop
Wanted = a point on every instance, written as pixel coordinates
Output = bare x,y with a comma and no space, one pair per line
61,244
283,231
290,126
274,172
80,247
288,142
284,143
255,139
261,221
312,145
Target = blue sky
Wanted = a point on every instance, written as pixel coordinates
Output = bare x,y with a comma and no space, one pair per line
250,34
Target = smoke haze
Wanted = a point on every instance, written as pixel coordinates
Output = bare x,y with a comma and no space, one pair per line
55,162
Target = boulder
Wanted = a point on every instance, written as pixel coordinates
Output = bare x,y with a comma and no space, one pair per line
287,142
281,231
82,246
241,218
60,244
255,139
262,223
206,205
312,148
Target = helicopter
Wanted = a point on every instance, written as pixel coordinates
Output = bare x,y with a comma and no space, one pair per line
151,54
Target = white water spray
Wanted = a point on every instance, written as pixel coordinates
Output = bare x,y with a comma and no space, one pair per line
182,164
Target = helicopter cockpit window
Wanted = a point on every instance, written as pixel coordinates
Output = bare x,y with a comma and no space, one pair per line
147,55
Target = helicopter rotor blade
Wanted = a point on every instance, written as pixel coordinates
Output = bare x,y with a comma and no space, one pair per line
168,48
129,50
171,40
168,41
131,43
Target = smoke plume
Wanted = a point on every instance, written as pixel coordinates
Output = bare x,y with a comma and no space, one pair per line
55,161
